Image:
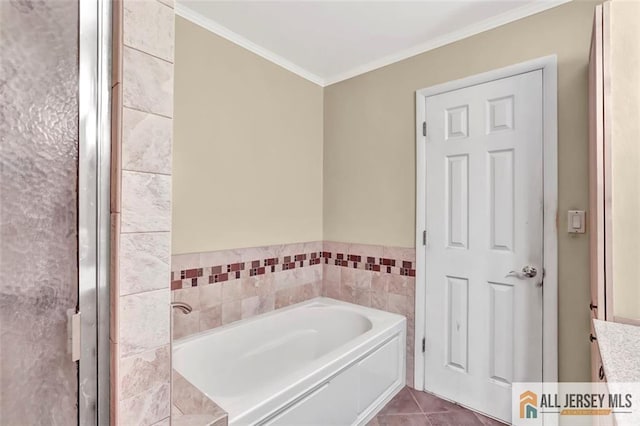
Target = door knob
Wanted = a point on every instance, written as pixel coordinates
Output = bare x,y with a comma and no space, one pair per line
527,272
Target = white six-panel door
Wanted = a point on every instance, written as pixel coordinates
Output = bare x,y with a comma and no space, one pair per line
484,216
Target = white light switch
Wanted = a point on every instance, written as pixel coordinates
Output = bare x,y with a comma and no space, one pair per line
576,221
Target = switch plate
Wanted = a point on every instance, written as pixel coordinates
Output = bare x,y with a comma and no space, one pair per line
576,221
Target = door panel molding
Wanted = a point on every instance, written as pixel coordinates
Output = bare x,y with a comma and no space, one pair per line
548,66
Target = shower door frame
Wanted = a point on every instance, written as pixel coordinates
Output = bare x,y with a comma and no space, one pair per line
94,223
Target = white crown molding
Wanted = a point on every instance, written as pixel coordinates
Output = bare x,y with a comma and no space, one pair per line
471,30
214,27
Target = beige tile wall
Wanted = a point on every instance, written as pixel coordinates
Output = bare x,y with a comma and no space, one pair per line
390,292
220,303
191,407
141,211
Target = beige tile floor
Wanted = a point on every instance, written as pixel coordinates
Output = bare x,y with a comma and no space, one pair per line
414,408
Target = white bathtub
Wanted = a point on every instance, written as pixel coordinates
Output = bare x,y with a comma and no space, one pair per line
320,362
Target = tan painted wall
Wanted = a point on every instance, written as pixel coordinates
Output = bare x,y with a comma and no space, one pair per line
247,150
625,134
369,151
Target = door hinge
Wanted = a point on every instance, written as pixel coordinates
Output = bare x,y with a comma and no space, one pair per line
73,329
424,237
423,344
424,128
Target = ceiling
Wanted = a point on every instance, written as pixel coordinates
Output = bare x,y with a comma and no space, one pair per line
330,41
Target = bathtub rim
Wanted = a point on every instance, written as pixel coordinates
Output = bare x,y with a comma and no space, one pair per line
177,343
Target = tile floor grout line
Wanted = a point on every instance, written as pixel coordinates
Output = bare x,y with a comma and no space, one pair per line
424,414
416,401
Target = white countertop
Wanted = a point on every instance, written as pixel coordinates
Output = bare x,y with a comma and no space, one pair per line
620,350
619,346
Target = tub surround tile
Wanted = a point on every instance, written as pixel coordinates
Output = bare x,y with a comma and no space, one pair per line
224,421
398,261
163,422
148,407
231,290
185,324
242,283
331,273
347,293
288,279
398,285
141,201
250,286
146,142
254,286
149,27
195,420
331,289
387,282
144,264
379,300
147,82
231,311
175,411
397,303
209,295
227,265
144,371
146,203
190,296
144,321
180,262
363,297
361,279
210,318
168,3
257,305
190,401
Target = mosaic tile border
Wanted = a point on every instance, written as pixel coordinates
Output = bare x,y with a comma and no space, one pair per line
220,273
375,264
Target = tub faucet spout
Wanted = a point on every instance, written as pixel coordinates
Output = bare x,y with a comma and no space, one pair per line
184,307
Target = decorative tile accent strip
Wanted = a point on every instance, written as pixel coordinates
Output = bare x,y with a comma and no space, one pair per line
220,273
214,274
377,264
251,281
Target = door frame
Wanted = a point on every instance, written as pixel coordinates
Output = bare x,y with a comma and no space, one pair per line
549,67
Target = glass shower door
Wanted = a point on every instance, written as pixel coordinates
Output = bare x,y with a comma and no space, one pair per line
38,210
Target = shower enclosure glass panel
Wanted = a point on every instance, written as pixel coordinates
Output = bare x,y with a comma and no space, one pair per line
38,210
